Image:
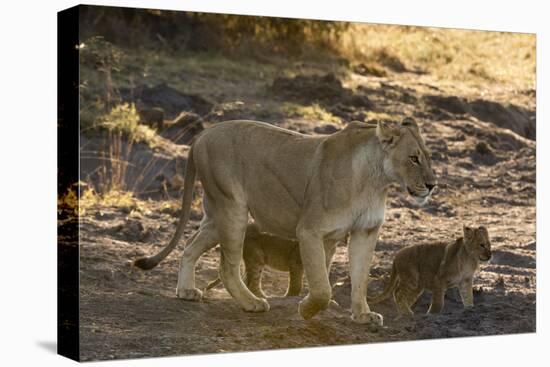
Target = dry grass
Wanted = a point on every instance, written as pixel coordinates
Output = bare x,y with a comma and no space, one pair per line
475,57
313,112
90,199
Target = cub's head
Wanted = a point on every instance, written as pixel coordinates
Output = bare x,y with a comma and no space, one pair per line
408,160
477,242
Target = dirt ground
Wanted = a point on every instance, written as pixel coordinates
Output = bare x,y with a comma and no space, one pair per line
484,155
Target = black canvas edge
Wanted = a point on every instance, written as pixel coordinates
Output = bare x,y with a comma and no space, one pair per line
68,325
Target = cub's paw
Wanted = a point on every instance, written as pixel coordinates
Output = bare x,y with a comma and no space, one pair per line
258,305
309,307
192,294
333,305
371,318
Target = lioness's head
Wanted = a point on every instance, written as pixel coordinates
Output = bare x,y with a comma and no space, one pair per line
408,160
477,242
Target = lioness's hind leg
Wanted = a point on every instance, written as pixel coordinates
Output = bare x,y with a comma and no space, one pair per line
231,225
202,241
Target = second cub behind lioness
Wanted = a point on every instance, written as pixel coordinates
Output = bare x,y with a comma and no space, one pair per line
436,268
263,249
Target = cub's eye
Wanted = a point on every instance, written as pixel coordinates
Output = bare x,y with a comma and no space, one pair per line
482,245
414,159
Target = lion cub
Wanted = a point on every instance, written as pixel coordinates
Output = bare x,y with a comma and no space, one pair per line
263,249
436,267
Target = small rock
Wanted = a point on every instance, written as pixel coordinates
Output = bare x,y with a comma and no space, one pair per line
499,283
153,117
176,182
359,100
483,148
369,69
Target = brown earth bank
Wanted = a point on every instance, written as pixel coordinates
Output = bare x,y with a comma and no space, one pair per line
484,156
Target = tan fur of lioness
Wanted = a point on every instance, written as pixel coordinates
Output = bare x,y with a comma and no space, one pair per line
436,267
309,188
264,249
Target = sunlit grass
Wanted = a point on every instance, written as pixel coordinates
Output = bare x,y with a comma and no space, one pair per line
449,54
313,112
90,199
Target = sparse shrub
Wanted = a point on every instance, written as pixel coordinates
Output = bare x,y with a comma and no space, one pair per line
122,130
125,119
106,58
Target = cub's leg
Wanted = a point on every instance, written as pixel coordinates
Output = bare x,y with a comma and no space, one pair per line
466,292
330,250
296,274
438,300
405,296
361,250
254,278
203,240
231,225
254,262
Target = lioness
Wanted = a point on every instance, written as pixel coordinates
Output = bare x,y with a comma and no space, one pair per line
309,188
263,249
436,267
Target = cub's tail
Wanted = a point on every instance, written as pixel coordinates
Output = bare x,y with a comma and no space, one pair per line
213,284
218,281
388,290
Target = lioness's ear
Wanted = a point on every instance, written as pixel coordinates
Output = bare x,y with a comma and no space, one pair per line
386,134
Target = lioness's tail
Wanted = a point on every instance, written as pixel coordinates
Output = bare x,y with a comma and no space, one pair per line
388,290
147,263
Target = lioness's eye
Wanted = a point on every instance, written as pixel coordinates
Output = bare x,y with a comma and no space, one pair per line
482,245
414,159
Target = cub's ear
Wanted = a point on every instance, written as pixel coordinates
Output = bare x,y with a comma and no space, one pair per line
409,121
386,134
468,231
484,230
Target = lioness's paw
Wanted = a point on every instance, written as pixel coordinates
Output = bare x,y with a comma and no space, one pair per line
372,318
192,294
259,305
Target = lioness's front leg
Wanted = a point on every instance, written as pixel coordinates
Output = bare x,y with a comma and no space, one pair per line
466,292
361,250
313,259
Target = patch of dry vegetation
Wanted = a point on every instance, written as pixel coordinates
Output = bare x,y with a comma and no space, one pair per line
313,112
89,199
476,57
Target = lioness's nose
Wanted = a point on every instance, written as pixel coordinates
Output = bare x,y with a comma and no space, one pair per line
430,186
